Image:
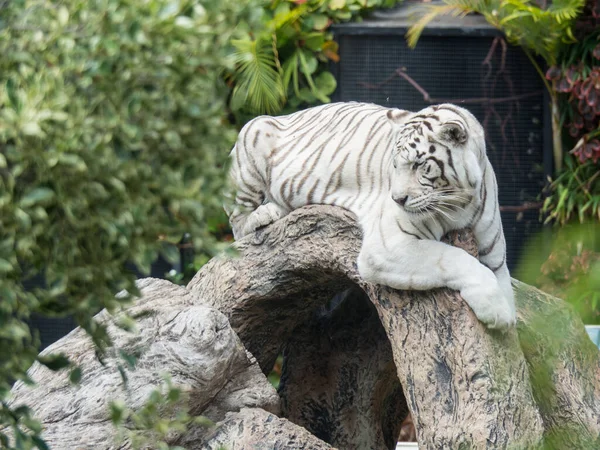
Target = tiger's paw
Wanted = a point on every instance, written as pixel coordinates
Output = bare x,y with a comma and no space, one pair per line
491,306
261,217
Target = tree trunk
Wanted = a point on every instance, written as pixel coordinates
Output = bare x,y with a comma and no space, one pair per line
356,356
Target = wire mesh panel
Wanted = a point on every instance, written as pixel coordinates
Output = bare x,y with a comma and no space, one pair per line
52,329
472,68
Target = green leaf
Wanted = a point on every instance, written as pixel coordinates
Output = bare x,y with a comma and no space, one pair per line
63,15
326,83
5,266
75,375
314,41
40,195
337,4
54,361
130,359
319,21
32,129
11,91
72,160
117,412
309,62
40,443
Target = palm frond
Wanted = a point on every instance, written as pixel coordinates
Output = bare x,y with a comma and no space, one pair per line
259,83
414,33
541,31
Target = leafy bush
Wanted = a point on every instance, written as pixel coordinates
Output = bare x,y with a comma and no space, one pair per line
285,65
113,137
543,29
565,262
575,193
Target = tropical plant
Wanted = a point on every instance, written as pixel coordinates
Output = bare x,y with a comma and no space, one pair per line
577,76
285,65
113,138
542,30
565,262
575,193
160,418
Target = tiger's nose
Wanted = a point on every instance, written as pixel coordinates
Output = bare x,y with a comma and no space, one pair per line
401,200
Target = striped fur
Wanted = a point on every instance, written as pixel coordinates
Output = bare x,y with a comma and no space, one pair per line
408,177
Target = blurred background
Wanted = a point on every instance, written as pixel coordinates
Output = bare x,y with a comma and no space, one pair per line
116,119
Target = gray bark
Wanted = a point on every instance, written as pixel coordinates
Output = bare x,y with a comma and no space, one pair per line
465,385
354,363
564,367
193,343
258,429
339,380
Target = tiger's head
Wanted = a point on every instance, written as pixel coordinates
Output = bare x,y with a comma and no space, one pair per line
438,160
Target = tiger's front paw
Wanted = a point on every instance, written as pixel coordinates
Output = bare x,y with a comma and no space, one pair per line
490,305
263,215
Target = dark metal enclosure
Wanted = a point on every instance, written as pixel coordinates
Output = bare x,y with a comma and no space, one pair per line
466,62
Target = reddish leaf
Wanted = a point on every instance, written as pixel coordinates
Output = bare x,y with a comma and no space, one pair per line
591,124
586,87
572,75
596,52
553,73
563,85
592,98
573,130
589,117
577,90
583,107
595,77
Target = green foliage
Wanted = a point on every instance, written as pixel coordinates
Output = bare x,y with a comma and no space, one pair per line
565,262
113,139
577,79
162,417
541,30
574,195
285,65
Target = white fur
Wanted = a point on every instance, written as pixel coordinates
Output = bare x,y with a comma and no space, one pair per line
364,151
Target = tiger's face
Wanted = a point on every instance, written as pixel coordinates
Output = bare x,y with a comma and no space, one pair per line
438,161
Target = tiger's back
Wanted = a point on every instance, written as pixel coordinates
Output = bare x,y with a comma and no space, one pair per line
335,154
408,177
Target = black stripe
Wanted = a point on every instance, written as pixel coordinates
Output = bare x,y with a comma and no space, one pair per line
406,232
429,230
486,251
499,266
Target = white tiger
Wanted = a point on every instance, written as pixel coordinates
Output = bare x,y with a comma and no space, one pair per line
408,177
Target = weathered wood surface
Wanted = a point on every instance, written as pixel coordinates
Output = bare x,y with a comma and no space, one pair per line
258,429
465,386
564,366
193,343
281,275
339,380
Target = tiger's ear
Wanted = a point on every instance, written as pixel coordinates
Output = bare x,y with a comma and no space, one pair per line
398,116
454,133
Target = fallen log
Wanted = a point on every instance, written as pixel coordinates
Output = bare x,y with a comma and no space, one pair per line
465,385
357,357
177,335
